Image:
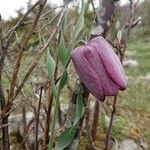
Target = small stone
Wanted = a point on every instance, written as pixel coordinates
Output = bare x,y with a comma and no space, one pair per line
129,144
130,63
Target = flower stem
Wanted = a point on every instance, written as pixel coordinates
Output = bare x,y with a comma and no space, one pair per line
110,124
95,119
54,123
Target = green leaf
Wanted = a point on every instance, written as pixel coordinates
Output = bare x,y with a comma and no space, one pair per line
80,22
82,5
66,138
78,26
79,107
51,65
64,22
63,80
62,51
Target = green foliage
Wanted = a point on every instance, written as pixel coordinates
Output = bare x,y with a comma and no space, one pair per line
68,135
147,135
64,21
102,123
118,126
78,26
63,80
51,65
62,51
80,22
79,106
144,11
66,138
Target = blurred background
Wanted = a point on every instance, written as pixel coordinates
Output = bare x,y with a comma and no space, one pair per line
8,8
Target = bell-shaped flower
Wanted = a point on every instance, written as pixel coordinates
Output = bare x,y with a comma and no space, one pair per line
99,68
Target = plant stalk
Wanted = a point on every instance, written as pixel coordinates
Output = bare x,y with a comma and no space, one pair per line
54,123
111,123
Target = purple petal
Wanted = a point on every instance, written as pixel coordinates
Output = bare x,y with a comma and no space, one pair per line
110,61
86,73
108,86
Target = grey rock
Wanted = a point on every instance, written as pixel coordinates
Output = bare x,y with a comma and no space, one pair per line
129,144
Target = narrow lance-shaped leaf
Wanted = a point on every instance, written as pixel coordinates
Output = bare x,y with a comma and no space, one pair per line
51,65
63,80
82,6
62,51
66,138
79,106
64,22
78,26
79,23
